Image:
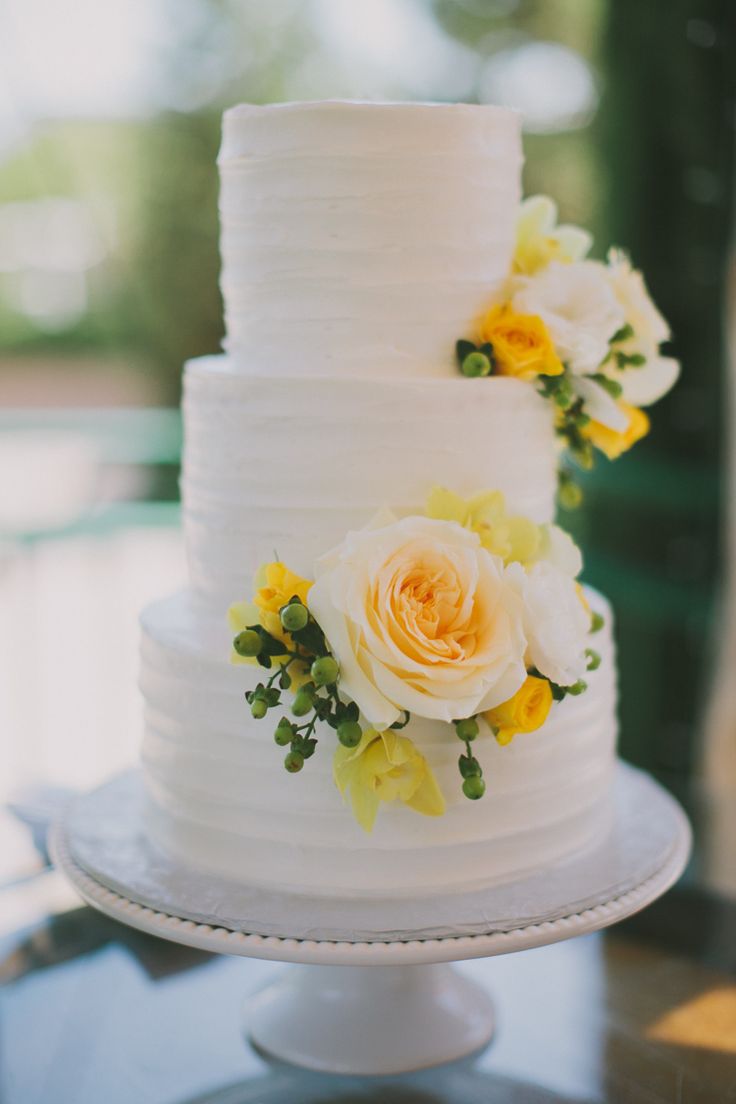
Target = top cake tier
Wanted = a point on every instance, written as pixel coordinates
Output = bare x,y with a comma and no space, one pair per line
362,239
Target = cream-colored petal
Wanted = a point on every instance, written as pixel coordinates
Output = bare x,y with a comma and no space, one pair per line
646,385
379,711
575,241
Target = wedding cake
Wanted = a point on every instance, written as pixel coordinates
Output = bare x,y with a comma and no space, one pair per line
379,599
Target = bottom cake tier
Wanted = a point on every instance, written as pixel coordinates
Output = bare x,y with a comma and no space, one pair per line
220,799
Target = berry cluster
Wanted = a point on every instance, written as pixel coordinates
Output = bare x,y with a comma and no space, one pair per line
305,662
470,769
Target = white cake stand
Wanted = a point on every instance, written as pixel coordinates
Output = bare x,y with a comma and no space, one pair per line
411,1009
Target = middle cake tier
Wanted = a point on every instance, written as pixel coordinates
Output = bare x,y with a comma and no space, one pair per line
282,467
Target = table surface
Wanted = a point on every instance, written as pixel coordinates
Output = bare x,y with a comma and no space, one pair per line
92,1012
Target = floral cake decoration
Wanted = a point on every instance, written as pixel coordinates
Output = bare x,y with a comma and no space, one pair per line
468,614
585,332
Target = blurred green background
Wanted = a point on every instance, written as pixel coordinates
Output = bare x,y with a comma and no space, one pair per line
109,128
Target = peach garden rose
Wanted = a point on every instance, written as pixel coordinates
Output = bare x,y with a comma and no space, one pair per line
422,618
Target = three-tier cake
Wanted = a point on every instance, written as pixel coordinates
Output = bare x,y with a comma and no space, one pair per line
360,243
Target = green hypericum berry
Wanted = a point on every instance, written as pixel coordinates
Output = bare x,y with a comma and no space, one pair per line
474,787
294,762
476,364
570,495
349,733
597,622
469,766
578,687
324,671
302,704
294,617
259,709
248,643
284,732
467,729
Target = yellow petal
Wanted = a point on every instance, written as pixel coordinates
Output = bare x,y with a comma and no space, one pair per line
487,507
235,658
524,538
242,614
505,735
445,505
365,806
428,797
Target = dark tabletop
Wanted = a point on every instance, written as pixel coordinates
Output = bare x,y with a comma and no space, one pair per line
94,1013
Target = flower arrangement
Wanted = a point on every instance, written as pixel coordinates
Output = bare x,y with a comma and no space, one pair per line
469,615
587,333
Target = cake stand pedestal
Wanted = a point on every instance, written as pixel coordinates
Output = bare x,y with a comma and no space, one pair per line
373,1004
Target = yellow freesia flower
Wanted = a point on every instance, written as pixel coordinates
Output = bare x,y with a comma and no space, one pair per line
275,585
509,536
525,712
540,240
612,442
385,766
522,346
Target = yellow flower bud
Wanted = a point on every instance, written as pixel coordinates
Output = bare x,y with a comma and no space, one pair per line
525,712
385,767
276,584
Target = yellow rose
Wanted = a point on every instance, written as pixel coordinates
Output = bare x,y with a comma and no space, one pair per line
385,767
539,240
422,618
522,346
525,712
509,536
611,442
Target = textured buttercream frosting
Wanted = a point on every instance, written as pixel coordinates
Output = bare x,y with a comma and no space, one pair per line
222,800
283,465
363,239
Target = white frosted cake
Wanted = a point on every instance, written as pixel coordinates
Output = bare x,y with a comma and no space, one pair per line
360,243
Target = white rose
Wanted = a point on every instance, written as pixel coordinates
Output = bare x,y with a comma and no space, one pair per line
559,549
644,384
422,618
556,623
577,304
650,328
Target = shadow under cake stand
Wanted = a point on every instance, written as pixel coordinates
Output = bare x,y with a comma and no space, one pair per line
411,1009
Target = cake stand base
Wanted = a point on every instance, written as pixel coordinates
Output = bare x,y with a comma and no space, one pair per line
373,991
370,1020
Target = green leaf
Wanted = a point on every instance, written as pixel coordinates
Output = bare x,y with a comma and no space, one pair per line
630,360
398,725
612,387
462,348
311,638
623,334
